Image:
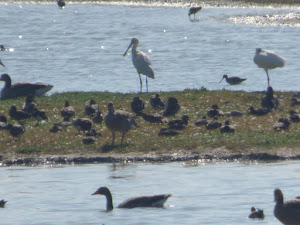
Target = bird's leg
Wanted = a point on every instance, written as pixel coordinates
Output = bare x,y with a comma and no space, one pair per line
268,78
147,83
113,138
141,82
122,138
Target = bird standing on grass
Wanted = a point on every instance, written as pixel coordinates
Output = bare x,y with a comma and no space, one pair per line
172,107
267,60
142,201
118,121
141,62
157,102
233,80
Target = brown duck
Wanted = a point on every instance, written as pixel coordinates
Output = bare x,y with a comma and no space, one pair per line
18,114
22,88
91,108
157,102
118,121
137,105
68,111
82,124
287,212
142,201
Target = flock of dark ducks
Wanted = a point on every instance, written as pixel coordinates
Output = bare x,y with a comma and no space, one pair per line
122,121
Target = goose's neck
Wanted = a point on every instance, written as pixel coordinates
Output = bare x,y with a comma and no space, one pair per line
109,203
7,83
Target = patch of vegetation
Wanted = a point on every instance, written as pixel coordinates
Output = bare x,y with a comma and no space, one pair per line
252,132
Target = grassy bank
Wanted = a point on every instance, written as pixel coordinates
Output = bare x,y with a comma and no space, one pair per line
253,133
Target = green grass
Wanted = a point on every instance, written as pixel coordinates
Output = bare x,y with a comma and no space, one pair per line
251,132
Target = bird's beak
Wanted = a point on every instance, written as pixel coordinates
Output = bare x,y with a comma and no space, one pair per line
221,80
127,49
95,193
1,63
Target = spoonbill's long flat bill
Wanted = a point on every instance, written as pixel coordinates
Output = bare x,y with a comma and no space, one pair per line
141,62
267,60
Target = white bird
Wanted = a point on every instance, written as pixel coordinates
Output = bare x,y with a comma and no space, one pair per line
141,62
267,60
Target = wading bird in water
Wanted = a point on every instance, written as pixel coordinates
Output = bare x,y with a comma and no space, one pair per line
194,10
267,60
141,62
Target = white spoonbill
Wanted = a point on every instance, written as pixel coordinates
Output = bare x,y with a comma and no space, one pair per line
267,60
141,62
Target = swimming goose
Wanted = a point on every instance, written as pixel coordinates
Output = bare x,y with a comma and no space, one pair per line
233,80
157,102
142,201
118,121
287,212
22,88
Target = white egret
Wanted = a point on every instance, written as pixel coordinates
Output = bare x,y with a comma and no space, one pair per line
267,60
141,62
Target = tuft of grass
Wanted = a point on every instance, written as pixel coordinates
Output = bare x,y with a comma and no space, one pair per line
251,132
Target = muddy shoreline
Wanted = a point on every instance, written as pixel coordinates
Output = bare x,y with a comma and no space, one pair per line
147,158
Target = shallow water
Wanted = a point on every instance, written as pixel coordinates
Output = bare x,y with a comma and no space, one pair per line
80,47
202,193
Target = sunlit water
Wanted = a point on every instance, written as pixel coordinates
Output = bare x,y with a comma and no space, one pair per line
80,47
213,193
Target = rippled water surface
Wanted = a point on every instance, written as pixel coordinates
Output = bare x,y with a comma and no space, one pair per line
80,47
213,193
